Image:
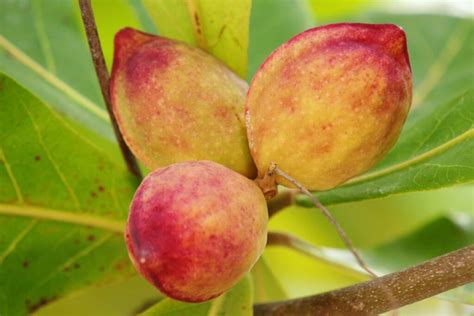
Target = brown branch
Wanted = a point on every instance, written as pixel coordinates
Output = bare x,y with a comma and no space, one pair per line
327,214
103,77
406,287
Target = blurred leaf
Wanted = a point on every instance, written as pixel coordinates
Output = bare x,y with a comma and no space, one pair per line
273,22
127,297
401,213
440,55
108,23
324,10
63,204
236,302
266,286
219,27
43,46
434,153
437,238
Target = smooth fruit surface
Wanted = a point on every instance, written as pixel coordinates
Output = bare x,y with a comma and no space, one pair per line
328,104
195,228
174,103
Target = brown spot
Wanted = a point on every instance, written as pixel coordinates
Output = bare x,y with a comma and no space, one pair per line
77,241
42,302
25,264
121,265
77,266
66,268
326,126
221,113
101,188
91,237
93,194
196,19
37,157
221,31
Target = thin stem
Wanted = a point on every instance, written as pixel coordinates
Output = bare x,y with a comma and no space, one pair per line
295,243
103,77
330,218
406,287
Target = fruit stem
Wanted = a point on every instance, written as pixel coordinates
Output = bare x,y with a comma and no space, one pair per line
103,77
328,215
288,240
386,293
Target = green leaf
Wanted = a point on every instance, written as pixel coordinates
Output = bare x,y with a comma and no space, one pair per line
43,47
438,237
273,22
440,55
63,204
219,27
266,286
236,302
108,24
324,10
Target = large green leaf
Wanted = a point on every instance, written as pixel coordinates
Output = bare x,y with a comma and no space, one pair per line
43,46
219,27
63,203
236,302
266,286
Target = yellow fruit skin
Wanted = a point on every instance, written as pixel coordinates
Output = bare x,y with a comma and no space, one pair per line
195,228
328,104
177,103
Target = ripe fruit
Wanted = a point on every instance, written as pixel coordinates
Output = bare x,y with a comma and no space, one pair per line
177,103
195,228
328,104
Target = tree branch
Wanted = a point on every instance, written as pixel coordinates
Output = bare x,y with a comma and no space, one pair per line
406,287
103,77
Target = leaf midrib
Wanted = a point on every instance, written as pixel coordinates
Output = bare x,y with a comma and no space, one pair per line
414,160
52,79
63,216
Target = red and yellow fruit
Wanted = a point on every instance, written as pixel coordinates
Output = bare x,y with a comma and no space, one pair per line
195,228
328,104
174,103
